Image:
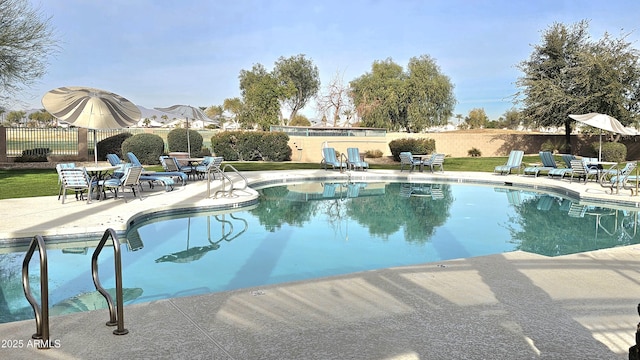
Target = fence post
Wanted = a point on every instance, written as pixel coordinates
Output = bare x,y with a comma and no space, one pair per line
83,148
3,144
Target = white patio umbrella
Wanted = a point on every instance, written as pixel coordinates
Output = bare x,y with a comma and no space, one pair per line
603,122
91,108
188,112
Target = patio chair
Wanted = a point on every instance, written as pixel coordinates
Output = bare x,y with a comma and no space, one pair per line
580,170
130,179
166,178
330,159
58,168
354,160
548,164
435,160
513,162
623,178
75,179
208,165
562,172
114,160
171,165
407,158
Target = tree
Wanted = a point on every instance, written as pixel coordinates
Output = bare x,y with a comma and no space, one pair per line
214,111
26,40
568,73
299,80
41,117
477,119
234,106
512,119
388,97
261,94
300,120
335,101
15,117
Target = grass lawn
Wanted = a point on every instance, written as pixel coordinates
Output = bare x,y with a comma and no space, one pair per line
19,183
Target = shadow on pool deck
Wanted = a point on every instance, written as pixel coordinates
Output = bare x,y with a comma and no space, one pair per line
506,306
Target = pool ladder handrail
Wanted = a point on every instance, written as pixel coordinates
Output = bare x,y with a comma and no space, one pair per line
42,313
116,317
344,160
226,178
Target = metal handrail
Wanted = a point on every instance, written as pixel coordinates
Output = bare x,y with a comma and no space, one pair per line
344,160
42,313
113,319
226,178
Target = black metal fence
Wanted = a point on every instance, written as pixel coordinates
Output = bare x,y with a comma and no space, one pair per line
65,141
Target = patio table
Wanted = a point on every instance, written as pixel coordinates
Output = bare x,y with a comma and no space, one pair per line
99,173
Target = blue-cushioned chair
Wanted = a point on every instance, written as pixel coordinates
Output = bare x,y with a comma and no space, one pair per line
130,179
114,160
623,178
330,159
354,161
407,159
171,165
562,172
159,176
209,164
548,164
513,162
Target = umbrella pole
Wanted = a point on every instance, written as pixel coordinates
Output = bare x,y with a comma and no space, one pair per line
188,141
95,146
600,149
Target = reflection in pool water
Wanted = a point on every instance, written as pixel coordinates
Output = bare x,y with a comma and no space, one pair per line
313,230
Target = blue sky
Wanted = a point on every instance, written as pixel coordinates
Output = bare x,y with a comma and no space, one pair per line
166,52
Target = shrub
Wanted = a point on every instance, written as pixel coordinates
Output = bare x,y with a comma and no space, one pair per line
374,154
252,146
177,141
33,155
147,147
611,151
112,145
474,152
548,146
415,146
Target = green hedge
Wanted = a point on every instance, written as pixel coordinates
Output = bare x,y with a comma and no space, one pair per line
177,141
415,146
147,147
112,145
611,151
251,146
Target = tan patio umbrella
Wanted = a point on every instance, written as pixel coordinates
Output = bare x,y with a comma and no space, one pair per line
188,112
603,122
91,108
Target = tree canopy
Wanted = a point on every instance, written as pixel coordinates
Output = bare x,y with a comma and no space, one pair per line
26,40
301,80
569,73
389,97
261,94
292,83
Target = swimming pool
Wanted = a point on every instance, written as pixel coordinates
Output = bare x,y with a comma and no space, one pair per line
312,230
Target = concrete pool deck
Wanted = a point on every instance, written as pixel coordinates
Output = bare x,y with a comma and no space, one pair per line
506,306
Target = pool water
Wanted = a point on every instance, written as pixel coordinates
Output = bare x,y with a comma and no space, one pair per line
314,230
